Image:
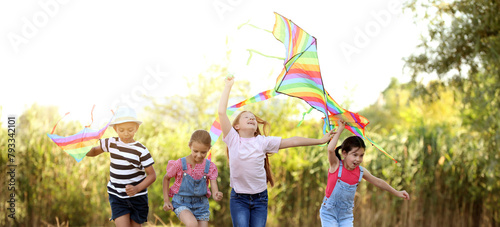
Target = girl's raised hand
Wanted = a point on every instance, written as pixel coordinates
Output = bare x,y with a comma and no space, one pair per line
229,80
341,125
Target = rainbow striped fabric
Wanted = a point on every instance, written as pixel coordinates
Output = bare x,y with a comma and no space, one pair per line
301,78
79,144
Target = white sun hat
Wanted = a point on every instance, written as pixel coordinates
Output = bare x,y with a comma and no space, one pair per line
123,115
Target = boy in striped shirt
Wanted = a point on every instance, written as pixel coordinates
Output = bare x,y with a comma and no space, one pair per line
131,170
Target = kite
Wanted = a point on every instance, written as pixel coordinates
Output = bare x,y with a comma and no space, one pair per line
79,144
301,78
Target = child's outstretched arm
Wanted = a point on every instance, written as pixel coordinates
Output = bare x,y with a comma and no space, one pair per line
150,178
224,119
384,185
332,158
216,194
167,205
298,141
97,150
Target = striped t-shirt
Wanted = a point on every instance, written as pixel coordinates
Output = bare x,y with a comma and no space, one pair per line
127,163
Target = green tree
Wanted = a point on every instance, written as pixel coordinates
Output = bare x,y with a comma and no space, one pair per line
462,47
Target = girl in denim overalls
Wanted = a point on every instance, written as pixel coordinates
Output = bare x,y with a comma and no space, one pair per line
344,176
190,190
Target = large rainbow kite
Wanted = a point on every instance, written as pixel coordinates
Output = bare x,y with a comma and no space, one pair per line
301,78
79,144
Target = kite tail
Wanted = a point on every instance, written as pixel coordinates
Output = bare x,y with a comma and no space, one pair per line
381,149
304,115
92,116
66,114
361,133
54,128
251,25
250,51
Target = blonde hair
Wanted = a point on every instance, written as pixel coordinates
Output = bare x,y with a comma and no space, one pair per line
266,127
201,136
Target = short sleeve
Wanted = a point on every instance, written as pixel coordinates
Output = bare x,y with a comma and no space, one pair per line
104,143
231,138
173,167
146,158
212,172
271,144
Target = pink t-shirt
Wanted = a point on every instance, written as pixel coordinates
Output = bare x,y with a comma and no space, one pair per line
246,161
348,176
174,169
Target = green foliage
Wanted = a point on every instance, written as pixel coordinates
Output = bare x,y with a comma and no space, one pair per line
463,49
444,165
444,135
50,184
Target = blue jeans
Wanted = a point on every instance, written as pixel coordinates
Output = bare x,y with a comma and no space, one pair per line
248,210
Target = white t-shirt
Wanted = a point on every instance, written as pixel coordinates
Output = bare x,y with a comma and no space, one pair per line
246,161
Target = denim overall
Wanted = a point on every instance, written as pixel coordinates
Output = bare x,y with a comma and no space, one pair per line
338,209
192,194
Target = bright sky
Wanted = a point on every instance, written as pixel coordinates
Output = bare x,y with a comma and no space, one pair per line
74,54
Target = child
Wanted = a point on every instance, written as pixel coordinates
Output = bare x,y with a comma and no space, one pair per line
131,170
248,161
344,176
190,190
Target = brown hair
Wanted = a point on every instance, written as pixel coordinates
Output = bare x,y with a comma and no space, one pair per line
265,131
201,136
349,144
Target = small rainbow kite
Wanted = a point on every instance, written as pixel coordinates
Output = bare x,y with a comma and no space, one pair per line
79,144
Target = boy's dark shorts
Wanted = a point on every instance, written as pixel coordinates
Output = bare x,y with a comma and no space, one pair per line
137,207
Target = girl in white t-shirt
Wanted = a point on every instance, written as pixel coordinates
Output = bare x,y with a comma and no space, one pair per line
248,161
